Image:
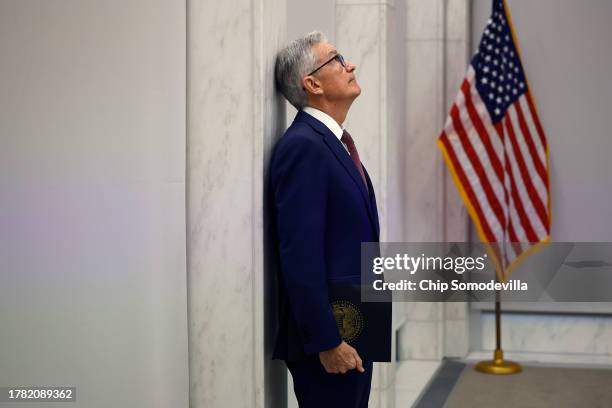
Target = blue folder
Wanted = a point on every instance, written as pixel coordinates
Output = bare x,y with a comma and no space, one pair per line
366,326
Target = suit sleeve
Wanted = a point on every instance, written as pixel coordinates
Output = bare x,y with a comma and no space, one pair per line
300,195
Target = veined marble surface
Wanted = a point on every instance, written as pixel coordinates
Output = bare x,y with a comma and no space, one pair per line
571,334
232,119
435,43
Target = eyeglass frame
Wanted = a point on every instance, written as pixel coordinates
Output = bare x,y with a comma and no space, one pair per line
338,57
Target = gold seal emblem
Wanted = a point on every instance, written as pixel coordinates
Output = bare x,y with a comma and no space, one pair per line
348,318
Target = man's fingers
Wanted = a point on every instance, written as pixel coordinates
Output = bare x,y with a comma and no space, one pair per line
359,363
346,359
353,362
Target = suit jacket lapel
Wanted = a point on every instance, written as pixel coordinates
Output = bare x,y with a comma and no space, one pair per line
345,159
373,203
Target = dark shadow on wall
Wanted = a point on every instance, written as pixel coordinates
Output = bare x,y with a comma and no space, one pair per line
275,371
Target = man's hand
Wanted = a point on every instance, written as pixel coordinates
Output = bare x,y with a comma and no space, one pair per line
340,359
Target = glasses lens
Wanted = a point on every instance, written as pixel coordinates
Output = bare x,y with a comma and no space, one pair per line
341,60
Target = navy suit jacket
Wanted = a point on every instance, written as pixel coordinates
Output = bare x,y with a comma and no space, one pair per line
322,213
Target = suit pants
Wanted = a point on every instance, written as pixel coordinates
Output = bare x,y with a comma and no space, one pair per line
316,388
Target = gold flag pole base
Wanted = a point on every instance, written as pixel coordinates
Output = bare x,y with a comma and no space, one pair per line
499,366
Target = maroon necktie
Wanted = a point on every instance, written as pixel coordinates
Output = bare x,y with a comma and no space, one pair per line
350,144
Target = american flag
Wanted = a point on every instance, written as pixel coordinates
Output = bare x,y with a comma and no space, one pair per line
496,150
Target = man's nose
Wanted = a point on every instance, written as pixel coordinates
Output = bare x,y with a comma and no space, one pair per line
350,67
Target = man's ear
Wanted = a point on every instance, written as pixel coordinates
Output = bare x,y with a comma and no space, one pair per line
312,85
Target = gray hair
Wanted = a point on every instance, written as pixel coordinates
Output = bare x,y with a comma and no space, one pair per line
292,63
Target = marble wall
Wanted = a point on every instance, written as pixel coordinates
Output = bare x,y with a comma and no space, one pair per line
456,225
419,337
233,116
552,339
571,334
436,47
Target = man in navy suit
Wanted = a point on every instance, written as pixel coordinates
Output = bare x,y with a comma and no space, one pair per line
324,208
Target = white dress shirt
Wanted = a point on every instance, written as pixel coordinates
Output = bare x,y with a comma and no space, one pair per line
328,121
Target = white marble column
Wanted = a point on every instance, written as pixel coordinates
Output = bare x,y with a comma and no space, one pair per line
233,117
420,335
437,58
457,56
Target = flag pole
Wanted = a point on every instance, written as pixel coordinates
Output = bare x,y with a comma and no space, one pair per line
498,366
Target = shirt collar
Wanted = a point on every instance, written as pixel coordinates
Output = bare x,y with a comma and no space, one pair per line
327,120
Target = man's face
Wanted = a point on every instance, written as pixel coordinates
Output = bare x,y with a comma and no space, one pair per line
336,82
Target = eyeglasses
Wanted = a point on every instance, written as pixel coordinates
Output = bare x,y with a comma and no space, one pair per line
338,57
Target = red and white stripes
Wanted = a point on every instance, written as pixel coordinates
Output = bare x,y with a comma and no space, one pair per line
501,171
